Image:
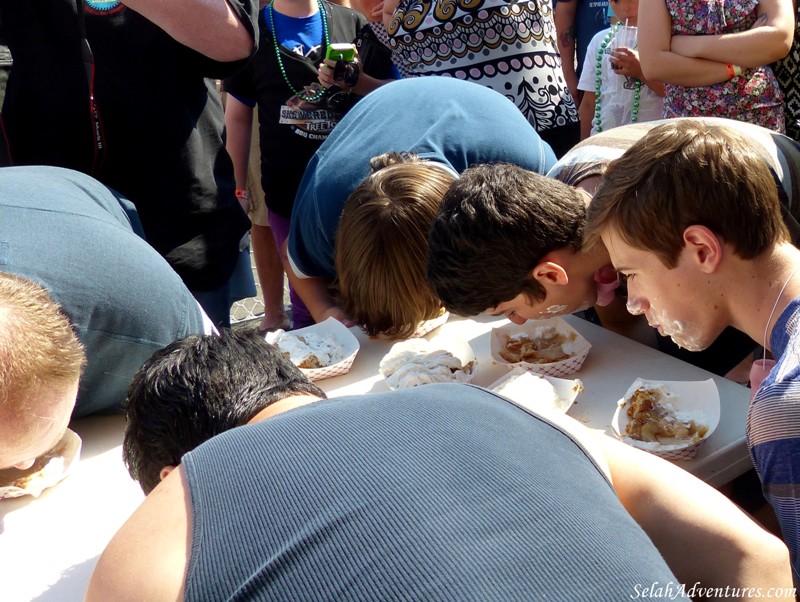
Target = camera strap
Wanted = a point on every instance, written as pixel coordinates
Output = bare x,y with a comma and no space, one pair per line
98,137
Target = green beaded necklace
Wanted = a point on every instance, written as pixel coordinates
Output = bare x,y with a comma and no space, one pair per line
637,86
297,92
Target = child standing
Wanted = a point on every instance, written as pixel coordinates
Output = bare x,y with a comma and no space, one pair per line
295,114
615,90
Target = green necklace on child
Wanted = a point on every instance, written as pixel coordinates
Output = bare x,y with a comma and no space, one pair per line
598,80
297,92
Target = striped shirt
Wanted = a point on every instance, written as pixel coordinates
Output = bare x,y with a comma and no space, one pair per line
773,430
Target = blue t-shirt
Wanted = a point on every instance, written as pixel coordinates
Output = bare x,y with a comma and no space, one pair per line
70,234
590,18
440,492
301,35
442,119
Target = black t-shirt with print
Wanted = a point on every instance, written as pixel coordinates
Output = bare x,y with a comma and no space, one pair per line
161,122
291,129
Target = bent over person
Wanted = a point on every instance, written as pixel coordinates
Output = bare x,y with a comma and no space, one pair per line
74,275
369,195
440,492
691,215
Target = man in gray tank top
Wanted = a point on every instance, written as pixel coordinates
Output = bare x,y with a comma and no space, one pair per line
442,492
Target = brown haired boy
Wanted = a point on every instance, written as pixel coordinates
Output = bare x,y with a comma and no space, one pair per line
690,214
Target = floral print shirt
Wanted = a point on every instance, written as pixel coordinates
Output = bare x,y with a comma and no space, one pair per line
754,96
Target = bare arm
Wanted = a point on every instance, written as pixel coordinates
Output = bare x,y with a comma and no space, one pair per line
210,27
628,63
239,129
769,40
564,17
148,557
703,536
586,113
315,293
659,63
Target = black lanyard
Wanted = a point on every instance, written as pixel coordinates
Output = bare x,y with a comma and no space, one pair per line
98,138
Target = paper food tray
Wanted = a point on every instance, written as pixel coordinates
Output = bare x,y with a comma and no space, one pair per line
50,469
577,348
413,348
340,333
521,386
698,398
429,326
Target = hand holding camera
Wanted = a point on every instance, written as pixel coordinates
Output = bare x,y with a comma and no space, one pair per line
340,67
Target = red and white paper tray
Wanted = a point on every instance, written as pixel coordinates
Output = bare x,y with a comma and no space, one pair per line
574,345
415,362
696,400
50,469
537,392
429,326
328,339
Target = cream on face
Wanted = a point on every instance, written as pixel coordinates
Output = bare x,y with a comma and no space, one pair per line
650,294
635,307
676,330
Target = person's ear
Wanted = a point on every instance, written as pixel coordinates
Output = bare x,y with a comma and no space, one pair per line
549,273
164,472
704,247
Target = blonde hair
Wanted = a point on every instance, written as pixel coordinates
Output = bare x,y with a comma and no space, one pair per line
382,245
38,347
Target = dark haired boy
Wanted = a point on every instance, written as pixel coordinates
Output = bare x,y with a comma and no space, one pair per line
508,241
201,386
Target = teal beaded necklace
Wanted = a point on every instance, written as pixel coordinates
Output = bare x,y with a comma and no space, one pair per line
297,92
637,86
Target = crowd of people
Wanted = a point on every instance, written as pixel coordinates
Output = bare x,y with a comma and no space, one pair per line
623,160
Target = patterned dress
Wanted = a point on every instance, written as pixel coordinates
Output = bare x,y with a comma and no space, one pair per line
753,96
787,70
506,45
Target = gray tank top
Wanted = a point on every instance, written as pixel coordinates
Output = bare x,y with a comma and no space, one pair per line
442,492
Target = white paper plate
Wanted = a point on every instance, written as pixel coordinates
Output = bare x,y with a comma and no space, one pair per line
697,398
340,334
47,471
521,385
410,351
578,348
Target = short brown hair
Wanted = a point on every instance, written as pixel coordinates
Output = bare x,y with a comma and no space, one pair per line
38,346
685,173
382,245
